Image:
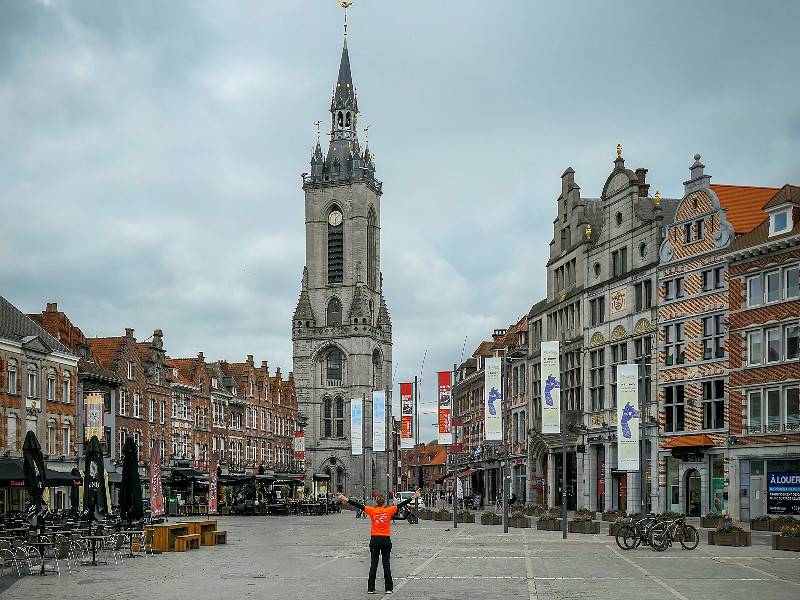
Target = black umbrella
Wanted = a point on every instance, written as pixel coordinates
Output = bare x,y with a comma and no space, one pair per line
35,478
75,493
130,494
94,481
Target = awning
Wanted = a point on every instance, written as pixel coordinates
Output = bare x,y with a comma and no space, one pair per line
13,475
448,477
689,441
321,477
114,477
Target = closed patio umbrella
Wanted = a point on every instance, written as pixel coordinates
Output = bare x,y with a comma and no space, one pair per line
94,481
130,494
75,493
35,478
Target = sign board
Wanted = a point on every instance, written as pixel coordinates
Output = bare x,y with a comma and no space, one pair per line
783,493
356,425
445,408
379,421
493,400
551,388
628,417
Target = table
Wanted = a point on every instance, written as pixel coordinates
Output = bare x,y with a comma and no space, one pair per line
93,541
201,527
164,535
41,547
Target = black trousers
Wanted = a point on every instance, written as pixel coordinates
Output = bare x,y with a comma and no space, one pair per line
380,545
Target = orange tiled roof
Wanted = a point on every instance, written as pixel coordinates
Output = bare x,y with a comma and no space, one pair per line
105,349
484,349
184,375
744,204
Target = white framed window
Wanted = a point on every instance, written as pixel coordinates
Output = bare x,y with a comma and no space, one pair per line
50,440
791,336
754,412
774,409
152,411
773,345
12,376
51,387
157,376
137,405
31,384
792,408
130,370
791,282
754,291
162,415
65,441
780,222
755,350
65,388
772,286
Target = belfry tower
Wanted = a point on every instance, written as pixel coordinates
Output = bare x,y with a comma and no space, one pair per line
341,330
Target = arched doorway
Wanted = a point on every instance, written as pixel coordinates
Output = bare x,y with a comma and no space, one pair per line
693,493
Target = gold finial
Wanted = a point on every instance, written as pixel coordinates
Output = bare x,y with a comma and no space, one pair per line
344,5
366,130
588,231
619,149
317,124
658,198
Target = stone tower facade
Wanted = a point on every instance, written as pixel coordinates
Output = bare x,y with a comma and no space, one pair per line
341,330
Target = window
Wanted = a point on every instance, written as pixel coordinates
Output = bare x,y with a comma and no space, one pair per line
65,441
123,403
335,246
714,404
152,411
163,412
597,307
713,337
642,249
130,371
339,418
157,376
790,336
597,379
643,292
31,384
792,408
334,312
619,356
713,279
327,417
679,292
754,350
50,440
334,367
643,348
12,377
137,405
673,344
65,388
779,223
791,282
773,347
773,410
753,291
618,218
674,408
51,387
619,262
669,290
772,286
698,230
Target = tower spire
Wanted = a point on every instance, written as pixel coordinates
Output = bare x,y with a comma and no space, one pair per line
344,5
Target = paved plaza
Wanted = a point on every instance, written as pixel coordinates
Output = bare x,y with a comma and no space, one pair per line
326,557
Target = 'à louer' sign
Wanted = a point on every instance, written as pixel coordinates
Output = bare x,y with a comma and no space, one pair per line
783,493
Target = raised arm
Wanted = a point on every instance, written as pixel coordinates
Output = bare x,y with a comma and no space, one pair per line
355,503
408,501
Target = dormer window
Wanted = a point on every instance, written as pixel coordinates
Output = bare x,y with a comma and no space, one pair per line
780,222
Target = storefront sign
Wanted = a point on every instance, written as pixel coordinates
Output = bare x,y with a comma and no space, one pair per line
551,388
783,493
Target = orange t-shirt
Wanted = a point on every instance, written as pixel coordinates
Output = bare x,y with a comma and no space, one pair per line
381,518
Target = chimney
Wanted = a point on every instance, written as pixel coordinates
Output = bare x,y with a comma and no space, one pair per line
250,360
52,307
643,187
200,356
128,332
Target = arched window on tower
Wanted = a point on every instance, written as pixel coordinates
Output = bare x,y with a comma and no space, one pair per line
377,370
372,249
339,418
347,120
333,367
335,246
334,312
327,417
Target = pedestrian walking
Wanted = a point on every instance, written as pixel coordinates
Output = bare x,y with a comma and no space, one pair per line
380,543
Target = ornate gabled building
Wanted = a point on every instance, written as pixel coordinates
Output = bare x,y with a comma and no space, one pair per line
341,330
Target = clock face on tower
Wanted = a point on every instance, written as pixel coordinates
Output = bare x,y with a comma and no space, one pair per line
335,218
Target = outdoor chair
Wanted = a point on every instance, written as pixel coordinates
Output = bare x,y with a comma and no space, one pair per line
8,558
31,556
146,543
62,544
113,546
48,555
79,551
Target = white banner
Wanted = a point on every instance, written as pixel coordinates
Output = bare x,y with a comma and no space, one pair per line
628,417
492,400
356,419
379,421
551,388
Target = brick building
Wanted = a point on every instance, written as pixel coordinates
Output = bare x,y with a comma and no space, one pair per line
764,379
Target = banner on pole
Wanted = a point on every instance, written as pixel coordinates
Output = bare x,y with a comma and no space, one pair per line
551,388
156,497
212,485
628,417
445,408
93,410
406,416
379,421
356,426
299,445
493,400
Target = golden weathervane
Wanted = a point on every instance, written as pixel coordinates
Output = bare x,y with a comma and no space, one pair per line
317,124
344,5
619,149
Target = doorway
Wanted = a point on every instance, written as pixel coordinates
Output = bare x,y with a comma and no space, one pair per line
758,499
693,493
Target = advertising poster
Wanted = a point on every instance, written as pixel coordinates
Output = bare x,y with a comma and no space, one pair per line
551,387
783,493
93,408
356,425
212,485
299,445
628,417
156,497
379,421
493,400
406,416
445,408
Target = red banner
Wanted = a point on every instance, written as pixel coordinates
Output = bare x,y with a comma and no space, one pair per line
212,485
406,415
299,445
156,497
445,408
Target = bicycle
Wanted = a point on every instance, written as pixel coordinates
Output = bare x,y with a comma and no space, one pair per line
632,535
663,534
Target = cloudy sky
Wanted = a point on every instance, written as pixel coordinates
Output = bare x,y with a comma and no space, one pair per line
151,151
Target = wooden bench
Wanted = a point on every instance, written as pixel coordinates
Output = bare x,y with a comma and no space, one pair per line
187,542
220,537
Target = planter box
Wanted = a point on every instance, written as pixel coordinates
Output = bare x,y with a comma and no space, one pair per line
712,522
778,525
733,538
584,527
523,522
791,544
548,525
536,512
440,516
591,513
489,520
613,527
607,516
759,525
470,518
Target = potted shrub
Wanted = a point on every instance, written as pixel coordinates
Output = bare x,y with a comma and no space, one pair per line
555,511
616,524
519,519
464,516
535,510
583,523
582,510
442,515
612,515
712,519
727,534
548,523
491,518
778,523
670,514
760,523
787,539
